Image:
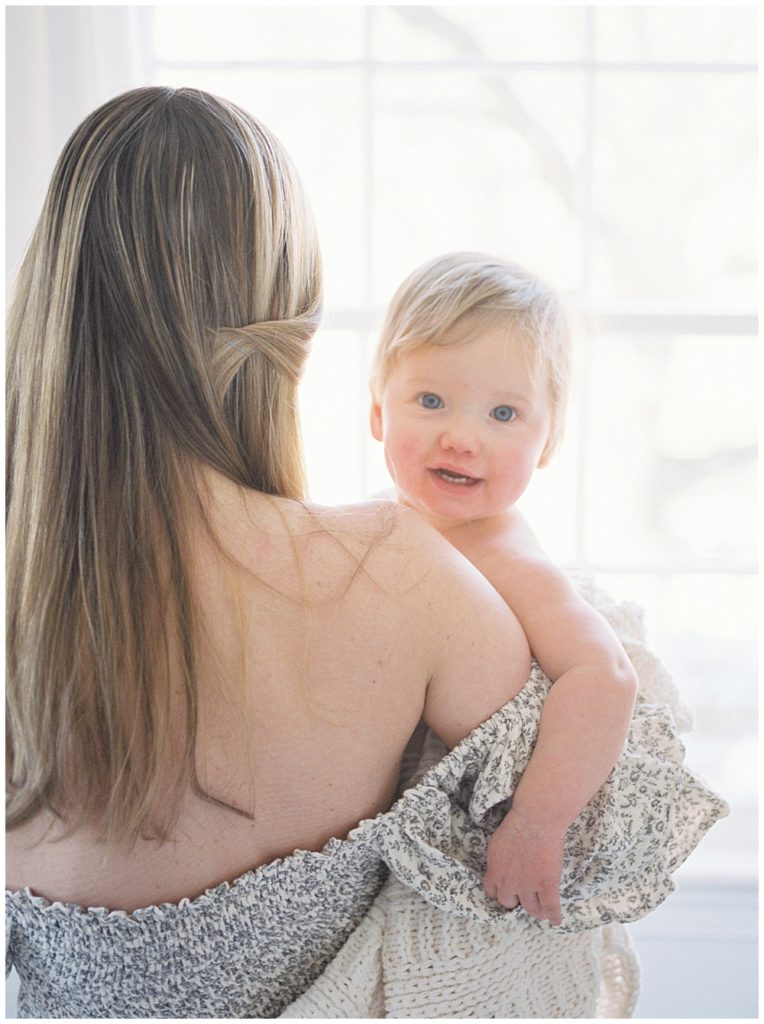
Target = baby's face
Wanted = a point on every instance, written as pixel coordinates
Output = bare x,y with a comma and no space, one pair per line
464,427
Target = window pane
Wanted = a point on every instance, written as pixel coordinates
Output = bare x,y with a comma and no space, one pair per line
324,138
674,181
704,628
251,33
671,471
333,412
495,33
692,33
484,162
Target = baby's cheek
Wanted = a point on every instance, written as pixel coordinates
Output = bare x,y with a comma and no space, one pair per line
518,470
404,457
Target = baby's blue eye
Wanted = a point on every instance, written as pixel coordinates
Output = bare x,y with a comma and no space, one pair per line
503,413
430,401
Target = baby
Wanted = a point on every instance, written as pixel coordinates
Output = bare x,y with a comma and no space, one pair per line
468,396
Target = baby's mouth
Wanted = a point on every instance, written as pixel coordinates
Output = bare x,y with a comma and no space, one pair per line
456,478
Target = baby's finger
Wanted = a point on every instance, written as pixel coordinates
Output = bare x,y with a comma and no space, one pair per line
507,898
549,900
510,901
489,887
532,904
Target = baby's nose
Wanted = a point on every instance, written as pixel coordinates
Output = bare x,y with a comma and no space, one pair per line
459,438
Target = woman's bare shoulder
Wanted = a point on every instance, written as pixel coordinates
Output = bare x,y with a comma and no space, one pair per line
387,525
359,515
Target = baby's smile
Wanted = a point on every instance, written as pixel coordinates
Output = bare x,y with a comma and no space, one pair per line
450,476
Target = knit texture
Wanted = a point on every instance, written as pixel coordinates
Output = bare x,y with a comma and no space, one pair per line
410,959
325,935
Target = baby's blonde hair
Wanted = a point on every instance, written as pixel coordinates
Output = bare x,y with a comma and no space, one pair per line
476,290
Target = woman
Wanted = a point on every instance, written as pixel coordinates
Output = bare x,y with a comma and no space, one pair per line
206,673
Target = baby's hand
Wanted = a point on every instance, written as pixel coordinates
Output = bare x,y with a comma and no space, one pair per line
524,866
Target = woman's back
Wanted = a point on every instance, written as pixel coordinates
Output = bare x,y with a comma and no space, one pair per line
327,634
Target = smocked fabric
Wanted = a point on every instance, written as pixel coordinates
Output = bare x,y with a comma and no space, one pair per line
253,947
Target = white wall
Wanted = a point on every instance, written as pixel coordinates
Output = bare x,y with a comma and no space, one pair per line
61,63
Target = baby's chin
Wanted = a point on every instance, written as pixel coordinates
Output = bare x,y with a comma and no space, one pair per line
441,520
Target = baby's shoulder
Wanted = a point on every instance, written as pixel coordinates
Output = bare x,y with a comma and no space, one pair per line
507,536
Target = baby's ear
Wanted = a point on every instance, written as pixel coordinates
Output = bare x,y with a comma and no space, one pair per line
375,419
546,455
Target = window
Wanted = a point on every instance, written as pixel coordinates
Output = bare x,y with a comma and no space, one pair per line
613,150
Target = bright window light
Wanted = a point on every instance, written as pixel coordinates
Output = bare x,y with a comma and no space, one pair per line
613,151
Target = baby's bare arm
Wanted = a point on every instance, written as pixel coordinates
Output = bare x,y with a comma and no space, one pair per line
584,721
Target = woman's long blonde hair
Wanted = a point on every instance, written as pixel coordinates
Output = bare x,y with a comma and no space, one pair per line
161,318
